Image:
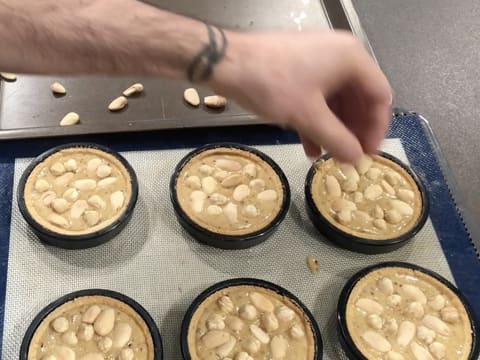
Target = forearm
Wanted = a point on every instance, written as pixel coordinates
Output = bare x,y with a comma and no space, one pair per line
96,36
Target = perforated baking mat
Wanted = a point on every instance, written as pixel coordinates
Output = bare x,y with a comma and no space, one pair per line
158,264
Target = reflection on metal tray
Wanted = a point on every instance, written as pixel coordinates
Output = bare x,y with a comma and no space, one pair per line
28,109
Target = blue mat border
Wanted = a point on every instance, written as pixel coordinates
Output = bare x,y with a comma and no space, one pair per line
454,238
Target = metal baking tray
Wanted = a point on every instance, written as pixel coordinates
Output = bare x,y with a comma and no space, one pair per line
28,109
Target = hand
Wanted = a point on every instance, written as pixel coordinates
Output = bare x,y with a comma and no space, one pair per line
322,84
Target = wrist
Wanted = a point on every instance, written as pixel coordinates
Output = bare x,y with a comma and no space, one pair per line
227,73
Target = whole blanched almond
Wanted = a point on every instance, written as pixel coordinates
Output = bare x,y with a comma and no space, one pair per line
122,332
388,188
8,76
376,341
369,306
333,186
42,185
231,212
103,171
85,184
267,195
373,192
97,202
270,322
118,104
60,324
406,333
91,217
57,169
261,335
226,304
63,353
71,118
215,101
218,199
344,216
241,192
224,350
193,182
385,285
60,205
402,207
206,169
70,338
250,170
350,172
214,210
228,165
58,88
107,181
215,338
134,89
406,195
191,96
434,323
285,314
250,211
393,216
104,322
380,224
91,314
197,198
71,194
414,293
393,355
209,185
278,347
92,165
71,165
48,197
78,208
262,302
420,352
437,303
257,185
117,199
364,164
232,180
235,323
343,204
373,173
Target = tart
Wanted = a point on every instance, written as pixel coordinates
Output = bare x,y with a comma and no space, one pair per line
398,311
244,321
95,326
77,191
378,200
229,190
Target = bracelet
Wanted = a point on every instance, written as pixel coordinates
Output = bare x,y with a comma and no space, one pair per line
202,64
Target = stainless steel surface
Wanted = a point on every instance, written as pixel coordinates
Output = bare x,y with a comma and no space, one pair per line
28,108
430,51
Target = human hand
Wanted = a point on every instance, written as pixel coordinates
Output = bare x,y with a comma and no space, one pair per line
322,84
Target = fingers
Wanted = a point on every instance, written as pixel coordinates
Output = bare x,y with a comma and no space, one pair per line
376,127
320,127
372,86
312,150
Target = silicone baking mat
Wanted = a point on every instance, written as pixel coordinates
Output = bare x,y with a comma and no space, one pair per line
158,264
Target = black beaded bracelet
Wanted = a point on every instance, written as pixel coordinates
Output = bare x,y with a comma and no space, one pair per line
202,65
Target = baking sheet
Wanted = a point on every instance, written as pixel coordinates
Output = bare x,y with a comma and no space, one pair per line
157,263
28,108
